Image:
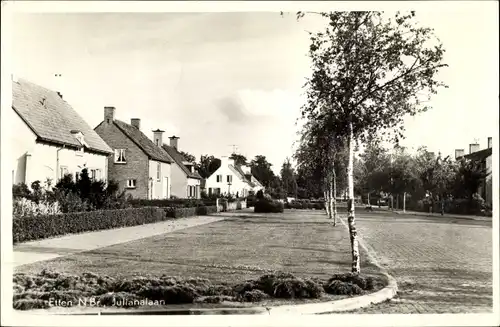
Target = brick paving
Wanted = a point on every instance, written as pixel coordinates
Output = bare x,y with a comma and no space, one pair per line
441,264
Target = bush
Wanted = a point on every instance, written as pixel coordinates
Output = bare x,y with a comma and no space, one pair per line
43,226
174,203
23,207
266,206
33,291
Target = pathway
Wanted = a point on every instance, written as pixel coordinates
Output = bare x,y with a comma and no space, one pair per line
441,264
46,249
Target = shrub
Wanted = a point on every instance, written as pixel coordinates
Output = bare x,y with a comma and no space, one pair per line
338,287
38,227
266,206
177,203
23,207
33,291
253,296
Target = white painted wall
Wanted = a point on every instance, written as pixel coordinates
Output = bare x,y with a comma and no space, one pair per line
34,161
179,181
237,185
160,189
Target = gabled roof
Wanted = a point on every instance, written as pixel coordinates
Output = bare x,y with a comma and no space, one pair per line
179,159
51,118
479,155
241,174
153,151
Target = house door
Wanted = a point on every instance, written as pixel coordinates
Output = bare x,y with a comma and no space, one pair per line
165,187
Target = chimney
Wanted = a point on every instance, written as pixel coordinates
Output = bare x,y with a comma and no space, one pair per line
459,153
489,143
158,137
473,147
109,114
136,122
174,142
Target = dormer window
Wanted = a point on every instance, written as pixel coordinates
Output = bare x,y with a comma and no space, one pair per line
80,138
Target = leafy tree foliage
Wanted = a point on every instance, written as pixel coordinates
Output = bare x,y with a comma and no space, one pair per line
208,165
369,70
239,159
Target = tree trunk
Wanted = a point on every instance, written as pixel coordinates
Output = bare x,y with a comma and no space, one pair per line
369,203
404,202
327,202
353,233
334,200
330,200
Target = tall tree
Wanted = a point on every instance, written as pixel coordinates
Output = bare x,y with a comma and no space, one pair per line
261,169
369,70
208,165
238,159
188,156
288,179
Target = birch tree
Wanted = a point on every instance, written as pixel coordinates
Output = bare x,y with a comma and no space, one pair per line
369,70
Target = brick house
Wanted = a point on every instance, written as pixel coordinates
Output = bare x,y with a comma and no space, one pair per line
185,179
139,166
50,139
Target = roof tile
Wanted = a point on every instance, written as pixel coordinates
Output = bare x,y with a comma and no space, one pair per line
51,118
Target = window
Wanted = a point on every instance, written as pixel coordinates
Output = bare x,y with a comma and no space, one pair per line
131,183
80,151
229,178
218,190
219,178
95,174
63,171
209,191
120,156
158,172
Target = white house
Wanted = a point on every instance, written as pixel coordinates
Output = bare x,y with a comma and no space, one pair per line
49,139
231,179
185,179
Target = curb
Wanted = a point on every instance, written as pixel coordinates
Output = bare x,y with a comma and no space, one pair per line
479,218
348,304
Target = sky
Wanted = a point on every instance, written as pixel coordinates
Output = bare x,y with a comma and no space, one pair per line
235,78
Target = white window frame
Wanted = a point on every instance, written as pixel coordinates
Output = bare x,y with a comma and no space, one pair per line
229,178
63,171
131,183
158,171
120,153
219,178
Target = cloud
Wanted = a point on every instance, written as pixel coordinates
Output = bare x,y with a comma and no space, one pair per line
232,109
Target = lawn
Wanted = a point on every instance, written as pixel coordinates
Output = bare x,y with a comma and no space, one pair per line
302,242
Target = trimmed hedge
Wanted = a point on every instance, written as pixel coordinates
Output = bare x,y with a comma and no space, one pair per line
173,212
266,206
44,226
305,205
174,203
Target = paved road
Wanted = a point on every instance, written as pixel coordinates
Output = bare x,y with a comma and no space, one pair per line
442,265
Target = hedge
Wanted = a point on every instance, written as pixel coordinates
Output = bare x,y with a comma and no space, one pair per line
177,203
266,206
305,205
173,212
44,226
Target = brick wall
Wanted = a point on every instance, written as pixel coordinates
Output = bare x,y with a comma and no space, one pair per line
136,166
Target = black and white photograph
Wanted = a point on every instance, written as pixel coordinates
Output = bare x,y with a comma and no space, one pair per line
250,163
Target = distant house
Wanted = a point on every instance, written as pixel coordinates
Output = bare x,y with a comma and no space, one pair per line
233,179
185,180
485,157
140,167
49,139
